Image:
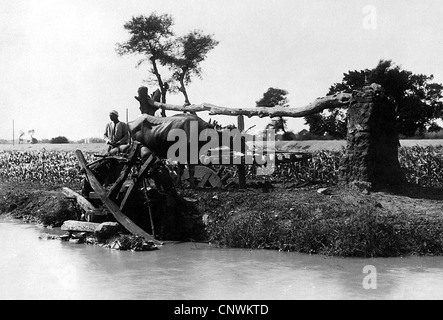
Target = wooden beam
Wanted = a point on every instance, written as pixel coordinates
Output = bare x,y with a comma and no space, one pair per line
135,183
82,201
241,168
332,101
90,210
132,156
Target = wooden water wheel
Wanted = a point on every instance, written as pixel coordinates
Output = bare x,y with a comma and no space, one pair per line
203,176
116,195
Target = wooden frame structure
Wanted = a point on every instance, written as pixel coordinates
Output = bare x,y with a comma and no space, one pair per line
109,197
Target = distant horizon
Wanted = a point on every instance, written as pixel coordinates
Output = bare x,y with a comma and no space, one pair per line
78,141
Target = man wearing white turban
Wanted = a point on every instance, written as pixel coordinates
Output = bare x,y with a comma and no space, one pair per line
116,134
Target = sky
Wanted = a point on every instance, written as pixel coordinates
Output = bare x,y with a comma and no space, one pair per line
60,74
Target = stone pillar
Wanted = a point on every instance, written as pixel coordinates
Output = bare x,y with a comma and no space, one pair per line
371,157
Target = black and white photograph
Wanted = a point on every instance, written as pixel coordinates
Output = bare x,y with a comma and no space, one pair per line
221,156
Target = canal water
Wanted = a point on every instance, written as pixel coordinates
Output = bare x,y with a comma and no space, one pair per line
31,268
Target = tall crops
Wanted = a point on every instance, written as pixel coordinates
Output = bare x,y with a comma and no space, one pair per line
322,167
422,165
46,167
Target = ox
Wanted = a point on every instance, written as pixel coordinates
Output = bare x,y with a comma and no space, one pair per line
152,132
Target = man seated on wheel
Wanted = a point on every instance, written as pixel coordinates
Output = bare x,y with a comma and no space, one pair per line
116,135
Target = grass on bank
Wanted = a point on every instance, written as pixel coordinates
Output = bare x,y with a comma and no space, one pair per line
347,224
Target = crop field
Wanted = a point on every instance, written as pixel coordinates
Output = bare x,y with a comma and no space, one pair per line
57,164
46,147
307,145
46,167
317,145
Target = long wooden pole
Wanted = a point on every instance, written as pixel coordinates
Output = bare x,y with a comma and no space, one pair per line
241,168
319,104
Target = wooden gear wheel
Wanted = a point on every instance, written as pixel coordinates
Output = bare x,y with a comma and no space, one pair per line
203,176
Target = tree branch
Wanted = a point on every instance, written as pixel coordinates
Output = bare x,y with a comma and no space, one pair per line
333,101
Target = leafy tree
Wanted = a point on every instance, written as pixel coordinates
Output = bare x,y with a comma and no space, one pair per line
289,136
151,37
271,98
190,50
434,127
59,139
96,140
416,98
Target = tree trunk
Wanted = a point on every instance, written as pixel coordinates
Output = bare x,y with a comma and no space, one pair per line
183,90
185,94
163,86
371,157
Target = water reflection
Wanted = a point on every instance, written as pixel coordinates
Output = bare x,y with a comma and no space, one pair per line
49,269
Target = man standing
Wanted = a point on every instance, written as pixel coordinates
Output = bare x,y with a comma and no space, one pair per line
116,134
147,103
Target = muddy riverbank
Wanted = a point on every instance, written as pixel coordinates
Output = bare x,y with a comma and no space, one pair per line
337,221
